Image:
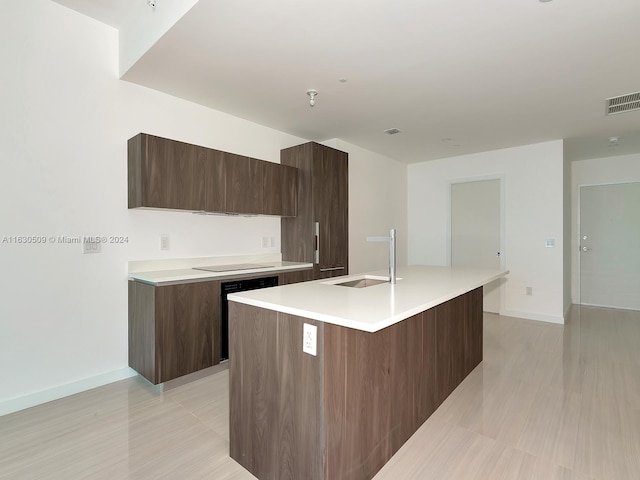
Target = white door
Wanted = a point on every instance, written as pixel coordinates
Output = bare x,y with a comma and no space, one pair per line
610,245
475,231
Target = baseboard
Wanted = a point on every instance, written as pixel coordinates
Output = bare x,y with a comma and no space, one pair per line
533,316
610,306
20,403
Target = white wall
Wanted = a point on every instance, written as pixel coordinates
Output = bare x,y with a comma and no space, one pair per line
377,203
598,171
533,186
63,133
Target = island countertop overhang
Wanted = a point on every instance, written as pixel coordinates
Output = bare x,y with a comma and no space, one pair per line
373,308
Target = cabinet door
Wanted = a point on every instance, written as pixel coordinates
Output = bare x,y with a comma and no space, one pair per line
243,184
215,171
279,189
172,174
286,278
187,326
330,204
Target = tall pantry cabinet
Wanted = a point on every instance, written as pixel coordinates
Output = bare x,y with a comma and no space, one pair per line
320,232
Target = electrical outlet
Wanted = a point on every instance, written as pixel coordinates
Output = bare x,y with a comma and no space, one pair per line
310,339
272,242
529,291
90,247
265,242
164,241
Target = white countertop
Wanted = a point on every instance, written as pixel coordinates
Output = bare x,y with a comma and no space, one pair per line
371,308
189,274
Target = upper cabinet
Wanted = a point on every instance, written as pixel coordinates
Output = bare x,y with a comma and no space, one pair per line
166,173
320,232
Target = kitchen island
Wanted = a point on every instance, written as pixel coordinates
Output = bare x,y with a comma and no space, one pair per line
386,356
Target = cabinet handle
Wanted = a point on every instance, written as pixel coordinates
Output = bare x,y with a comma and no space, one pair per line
317,252
331,269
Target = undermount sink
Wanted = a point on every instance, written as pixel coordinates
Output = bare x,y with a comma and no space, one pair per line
360,282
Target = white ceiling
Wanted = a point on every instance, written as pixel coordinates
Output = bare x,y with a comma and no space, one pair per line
454,76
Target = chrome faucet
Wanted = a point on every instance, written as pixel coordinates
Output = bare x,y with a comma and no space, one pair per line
392,252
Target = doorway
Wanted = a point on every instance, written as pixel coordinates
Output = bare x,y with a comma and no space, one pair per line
610,245
476,231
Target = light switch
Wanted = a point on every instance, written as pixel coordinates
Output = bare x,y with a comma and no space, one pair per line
550,242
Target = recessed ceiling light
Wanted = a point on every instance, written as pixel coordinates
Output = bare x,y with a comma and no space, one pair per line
544,1
613,139
342,80
392,131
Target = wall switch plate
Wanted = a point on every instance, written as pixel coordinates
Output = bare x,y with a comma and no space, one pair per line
550,242
90,247
310,339
164,241
265,242
529,291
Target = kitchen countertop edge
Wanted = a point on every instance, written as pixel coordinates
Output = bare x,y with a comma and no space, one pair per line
369,318
190,275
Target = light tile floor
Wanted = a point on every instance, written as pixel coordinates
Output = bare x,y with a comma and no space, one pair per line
548,402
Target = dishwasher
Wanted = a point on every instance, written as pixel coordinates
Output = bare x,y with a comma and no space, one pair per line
234,287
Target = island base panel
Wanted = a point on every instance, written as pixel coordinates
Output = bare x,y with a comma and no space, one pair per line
343,413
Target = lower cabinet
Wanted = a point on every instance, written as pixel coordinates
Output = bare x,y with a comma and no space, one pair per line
173,329
297,276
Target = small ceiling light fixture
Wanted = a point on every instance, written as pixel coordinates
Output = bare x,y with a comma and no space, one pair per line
544,1
152,3
312,97
391,131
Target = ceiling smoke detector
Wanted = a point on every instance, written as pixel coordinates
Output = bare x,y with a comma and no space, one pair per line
623,103
391,131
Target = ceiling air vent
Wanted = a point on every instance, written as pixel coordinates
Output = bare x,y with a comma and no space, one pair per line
623,103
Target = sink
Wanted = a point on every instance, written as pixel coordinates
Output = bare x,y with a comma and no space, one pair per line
360,282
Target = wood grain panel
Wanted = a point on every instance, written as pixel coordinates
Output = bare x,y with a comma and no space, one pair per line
323,192
173,174
244,193
279,185
275,395
297,276
427,395
142,345
300,415
341,415
450,345
186,317
215,171
331,205
298,233
473,328
134,171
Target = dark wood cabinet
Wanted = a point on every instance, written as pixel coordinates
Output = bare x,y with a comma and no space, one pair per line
173,329
279,189
297,276
343,413
165,173
244,191
320,231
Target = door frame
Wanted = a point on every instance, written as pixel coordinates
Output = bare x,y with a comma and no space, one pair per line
579,230
503,256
